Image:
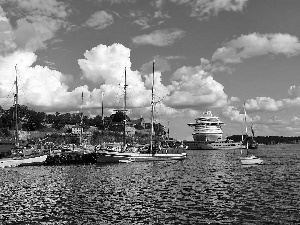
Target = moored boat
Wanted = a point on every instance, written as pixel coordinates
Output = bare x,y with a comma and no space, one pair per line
251,160
217,145
248,159
21,156
154,152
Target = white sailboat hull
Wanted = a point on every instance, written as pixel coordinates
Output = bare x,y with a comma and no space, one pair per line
28,161
116,157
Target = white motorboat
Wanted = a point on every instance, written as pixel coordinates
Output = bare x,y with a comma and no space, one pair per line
251,160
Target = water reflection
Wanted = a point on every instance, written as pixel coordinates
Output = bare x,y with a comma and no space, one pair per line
208,187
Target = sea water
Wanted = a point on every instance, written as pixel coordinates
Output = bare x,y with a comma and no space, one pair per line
209,187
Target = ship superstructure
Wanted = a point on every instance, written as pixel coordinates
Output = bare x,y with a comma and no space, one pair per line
207,128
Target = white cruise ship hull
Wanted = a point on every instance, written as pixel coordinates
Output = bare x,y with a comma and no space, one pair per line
207,136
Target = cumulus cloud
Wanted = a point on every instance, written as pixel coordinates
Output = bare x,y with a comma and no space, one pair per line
237,115
195,89
205,8
159,37
248,46
105,64
37,22
35,90
100,20
7,43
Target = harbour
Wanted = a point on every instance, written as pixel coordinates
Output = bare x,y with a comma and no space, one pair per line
149,112
208,187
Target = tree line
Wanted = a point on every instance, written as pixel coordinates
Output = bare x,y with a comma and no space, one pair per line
30,120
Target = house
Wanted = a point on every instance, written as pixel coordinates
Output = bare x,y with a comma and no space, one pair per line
77,129
130,131
92,129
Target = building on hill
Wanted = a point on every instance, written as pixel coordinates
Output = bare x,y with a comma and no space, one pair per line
92,129
130,131
76,129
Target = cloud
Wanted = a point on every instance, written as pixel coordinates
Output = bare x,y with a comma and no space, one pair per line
262,126
105,64
143,22
105,67
267,104
194,88
7,43
233,114
161,64
248,46
34,88
294,92
100,20
37,22
205,8
214,67
263,104
159,37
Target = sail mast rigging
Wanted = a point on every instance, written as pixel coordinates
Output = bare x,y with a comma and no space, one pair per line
125,98
81,119
16,108
152,111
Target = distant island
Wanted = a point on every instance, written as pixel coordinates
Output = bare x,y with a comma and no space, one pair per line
270,140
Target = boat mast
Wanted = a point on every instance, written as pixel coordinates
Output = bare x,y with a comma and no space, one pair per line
16,108
245,125
152,111
81,119
168,130
125,98
102,116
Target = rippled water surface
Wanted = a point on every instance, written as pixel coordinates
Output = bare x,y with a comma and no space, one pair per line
208,187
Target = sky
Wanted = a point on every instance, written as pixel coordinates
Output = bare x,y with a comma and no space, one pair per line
217,55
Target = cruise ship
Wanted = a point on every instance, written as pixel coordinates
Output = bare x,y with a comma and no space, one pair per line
208,134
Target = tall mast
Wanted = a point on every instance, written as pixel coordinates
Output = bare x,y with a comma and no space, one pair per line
16,108
244,122
168,130
125,98
102,115
81,119
152,110
102,107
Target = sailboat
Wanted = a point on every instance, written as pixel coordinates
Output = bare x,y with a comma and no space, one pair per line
21,156
252,144
248,159
153,153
